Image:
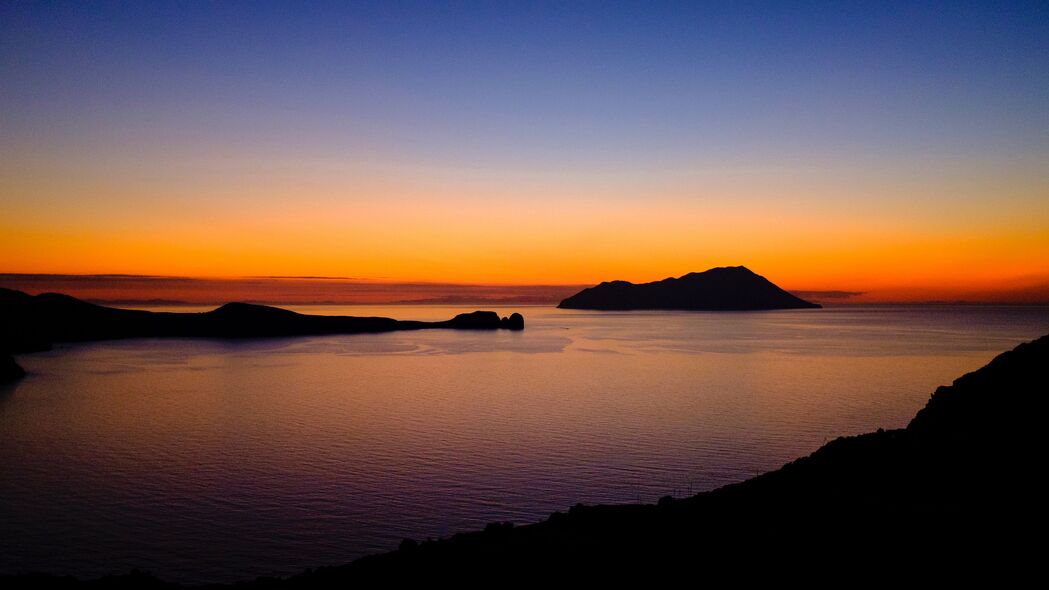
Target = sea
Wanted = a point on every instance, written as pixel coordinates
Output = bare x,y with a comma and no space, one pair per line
215,461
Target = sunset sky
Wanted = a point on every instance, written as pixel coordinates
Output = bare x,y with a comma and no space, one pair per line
893,149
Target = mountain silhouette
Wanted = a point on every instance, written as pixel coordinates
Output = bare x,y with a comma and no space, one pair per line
31,323
729,288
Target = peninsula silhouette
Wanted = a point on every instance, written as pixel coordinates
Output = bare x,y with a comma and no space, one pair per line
729,288
32,322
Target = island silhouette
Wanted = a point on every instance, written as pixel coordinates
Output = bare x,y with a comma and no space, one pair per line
728,288
30,323
953,495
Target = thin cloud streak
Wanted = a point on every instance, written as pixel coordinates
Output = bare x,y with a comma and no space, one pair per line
154,290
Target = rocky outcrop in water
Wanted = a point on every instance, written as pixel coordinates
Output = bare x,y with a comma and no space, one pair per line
514,322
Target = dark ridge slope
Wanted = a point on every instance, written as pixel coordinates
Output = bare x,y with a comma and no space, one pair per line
953,494
10,370
732,288
31,323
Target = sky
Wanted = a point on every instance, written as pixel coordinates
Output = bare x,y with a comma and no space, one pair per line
899,150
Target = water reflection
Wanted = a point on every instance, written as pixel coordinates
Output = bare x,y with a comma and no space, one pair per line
209,460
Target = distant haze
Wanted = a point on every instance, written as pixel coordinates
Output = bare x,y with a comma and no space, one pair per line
156,290
146,290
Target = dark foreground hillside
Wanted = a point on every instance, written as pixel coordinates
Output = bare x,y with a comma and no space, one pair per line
955,496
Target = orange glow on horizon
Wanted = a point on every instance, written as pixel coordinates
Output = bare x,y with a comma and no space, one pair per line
893,239
914,168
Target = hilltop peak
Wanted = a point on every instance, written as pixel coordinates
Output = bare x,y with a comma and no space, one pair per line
721,270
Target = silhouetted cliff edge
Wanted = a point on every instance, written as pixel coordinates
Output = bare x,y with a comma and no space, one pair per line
730,288
9,369
31,323
957,495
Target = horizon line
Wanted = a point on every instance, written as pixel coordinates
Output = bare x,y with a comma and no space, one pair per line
379,280
176,290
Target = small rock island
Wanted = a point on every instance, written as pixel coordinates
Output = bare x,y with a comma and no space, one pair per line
730,288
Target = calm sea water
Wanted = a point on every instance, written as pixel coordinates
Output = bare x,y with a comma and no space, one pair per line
215,461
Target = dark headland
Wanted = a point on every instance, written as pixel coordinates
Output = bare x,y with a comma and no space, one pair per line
9,369
31,323
729,288
957,495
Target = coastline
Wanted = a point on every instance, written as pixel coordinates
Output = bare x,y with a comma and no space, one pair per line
954,484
